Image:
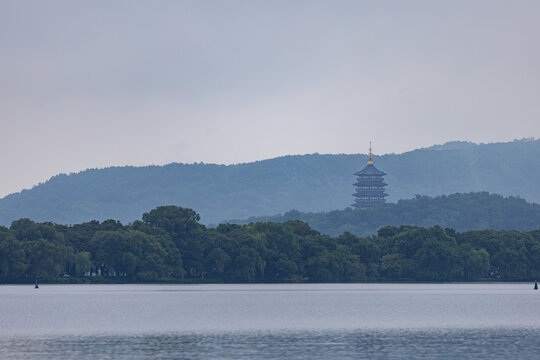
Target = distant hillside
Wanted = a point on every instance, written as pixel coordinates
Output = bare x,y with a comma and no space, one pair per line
308,183
461,212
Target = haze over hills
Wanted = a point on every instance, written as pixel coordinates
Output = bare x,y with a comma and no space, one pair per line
308,183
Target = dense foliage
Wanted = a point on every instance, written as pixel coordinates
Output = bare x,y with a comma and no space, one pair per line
462,212
306,183
170,244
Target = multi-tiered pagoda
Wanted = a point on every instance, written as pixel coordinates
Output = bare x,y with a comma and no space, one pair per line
369,186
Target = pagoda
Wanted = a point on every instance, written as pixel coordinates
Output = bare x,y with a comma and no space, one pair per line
369,186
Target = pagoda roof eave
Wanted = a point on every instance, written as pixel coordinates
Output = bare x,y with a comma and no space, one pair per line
370,169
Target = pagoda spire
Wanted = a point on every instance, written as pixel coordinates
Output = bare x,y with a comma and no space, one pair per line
370,161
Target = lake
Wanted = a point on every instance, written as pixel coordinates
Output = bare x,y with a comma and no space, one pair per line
270,321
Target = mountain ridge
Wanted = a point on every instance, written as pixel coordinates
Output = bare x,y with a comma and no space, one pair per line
311,182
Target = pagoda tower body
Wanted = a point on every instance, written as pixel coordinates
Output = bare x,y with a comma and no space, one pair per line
369,186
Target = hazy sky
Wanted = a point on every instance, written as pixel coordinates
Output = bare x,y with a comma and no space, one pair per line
99,83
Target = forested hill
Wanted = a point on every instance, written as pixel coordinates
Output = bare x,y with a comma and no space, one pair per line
462,212
306,183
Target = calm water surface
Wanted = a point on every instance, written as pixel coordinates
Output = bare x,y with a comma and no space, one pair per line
321,321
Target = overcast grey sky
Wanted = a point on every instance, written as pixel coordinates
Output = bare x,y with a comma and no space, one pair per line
99,83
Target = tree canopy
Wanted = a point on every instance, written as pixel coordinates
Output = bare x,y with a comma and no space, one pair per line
170,245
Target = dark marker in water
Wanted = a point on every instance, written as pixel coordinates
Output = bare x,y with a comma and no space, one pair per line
37,285
535,285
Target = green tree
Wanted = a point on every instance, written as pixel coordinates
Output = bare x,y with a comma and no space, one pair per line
12,256
83,263
183,227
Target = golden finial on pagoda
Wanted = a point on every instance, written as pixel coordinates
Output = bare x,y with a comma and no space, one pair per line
370,162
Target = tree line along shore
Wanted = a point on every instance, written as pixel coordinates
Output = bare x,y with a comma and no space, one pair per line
169,244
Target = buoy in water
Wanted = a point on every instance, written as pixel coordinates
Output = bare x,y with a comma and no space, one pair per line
37,285
535,285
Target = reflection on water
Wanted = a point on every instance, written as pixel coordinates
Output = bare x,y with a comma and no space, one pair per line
287,321
423,344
